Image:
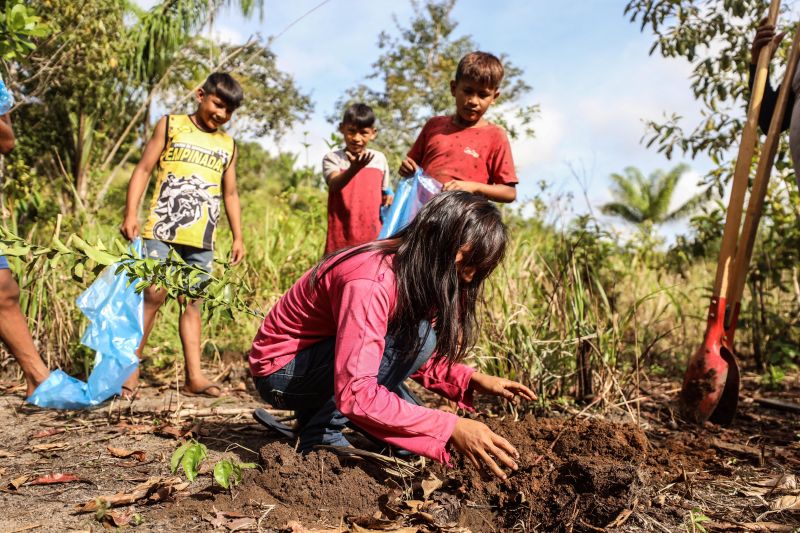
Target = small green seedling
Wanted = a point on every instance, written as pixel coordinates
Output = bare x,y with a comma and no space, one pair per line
229,473
189,455
696,519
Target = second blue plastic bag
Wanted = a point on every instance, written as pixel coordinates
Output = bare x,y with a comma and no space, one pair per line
412,194
115,313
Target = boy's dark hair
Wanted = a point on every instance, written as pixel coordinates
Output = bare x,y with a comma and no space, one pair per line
482,68
359,115
225,87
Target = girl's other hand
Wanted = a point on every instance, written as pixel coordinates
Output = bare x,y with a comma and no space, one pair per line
500,387
482,446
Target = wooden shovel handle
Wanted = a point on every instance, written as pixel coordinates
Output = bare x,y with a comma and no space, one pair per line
741,173
744,251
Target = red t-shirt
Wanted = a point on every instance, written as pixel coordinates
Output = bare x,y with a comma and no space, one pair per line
354,210
446,152
353,302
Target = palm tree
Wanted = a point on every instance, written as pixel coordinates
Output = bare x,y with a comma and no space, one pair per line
644,201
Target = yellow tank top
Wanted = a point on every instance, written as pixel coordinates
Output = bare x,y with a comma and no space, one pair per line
185,206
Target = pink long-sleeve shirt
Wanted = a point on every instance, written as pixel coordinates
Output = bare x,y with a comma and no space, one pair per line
353,302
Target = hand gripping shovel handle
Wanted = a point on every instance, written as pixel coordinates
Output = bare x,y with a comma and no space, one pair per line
755,206
707,373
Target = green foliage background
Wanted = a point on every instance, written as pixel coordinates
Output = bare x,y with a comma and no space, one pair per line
569,287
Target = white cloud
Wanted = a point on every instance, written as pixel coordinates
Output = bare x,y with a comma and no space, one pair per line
225,34
549,128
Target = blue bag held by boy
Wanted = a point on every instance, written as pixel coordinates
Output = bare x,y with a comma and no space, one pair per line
412,194
116,325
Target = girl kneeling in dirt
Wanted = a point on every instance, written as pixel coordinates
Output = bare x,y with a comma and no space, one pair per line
337,347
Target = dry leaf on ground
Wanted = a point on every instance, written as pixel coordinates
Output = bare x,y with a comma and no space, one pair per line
429,485
779,482
51,479
17,482
122,453
786,503
48,433
50,446
119,518
157,488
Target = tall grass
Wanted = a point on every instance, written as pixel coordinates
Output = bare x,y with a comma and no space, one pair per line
559,292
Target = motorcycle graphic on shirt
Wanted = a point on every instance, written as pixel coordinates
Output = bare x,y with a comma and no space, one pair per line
181,204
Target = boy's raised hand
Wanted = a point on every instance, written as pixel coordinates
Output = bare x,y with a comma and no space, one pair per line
130,228
765,35
408,167
359,161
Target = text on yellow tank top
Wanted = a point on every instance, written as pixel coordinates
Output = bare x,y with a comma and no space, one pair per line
186,202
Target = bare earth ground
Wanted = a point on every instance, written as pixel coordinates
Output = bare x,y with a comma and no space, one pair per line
579,471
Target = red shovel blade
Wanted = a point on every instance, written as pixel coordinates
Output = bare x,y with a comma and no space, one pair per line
711,384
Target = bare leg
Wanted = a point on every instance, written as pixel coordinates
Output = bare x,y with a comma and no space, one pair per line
190,329
153,300
15,334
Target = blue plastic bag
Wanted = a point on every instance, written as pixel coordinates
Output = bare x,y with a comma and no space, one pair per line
116,325
412,194
6,98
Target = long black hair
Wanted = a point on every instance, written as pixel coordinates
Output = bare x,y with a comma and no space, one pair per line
429,287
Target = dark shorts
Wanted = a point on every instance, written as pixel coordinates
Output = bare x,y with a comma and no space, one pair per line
198,257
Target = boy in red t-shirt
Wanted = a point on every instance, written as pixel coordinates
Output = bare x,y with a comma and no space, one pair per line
463,151
358,182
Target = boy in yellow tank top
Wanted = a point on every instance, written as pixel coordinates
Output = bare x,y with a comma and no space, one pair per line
196,167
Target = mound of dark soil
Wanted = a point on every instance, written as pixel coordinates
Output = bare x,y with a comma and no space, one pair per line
574,474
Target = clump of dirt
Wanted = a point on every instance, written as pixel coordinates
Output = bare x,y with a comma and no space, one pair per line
572,475
319,486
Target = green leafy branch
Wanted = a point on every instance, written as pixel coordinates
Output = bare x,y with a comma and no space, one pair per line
224,294
18,27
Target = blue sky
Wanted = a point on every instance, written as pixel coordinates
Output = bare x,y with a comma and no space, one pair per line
587,64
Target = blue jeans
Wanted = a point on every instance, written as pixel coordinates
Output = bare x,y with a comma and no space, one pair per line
3,262
305,385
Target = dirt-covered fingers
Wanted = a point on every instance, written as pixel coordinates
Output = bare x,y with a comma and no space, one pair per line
504,451
521,390
504,457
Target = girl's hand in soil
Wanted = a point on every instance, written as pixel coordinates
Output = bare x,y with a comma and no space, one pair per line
481,445
500,387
